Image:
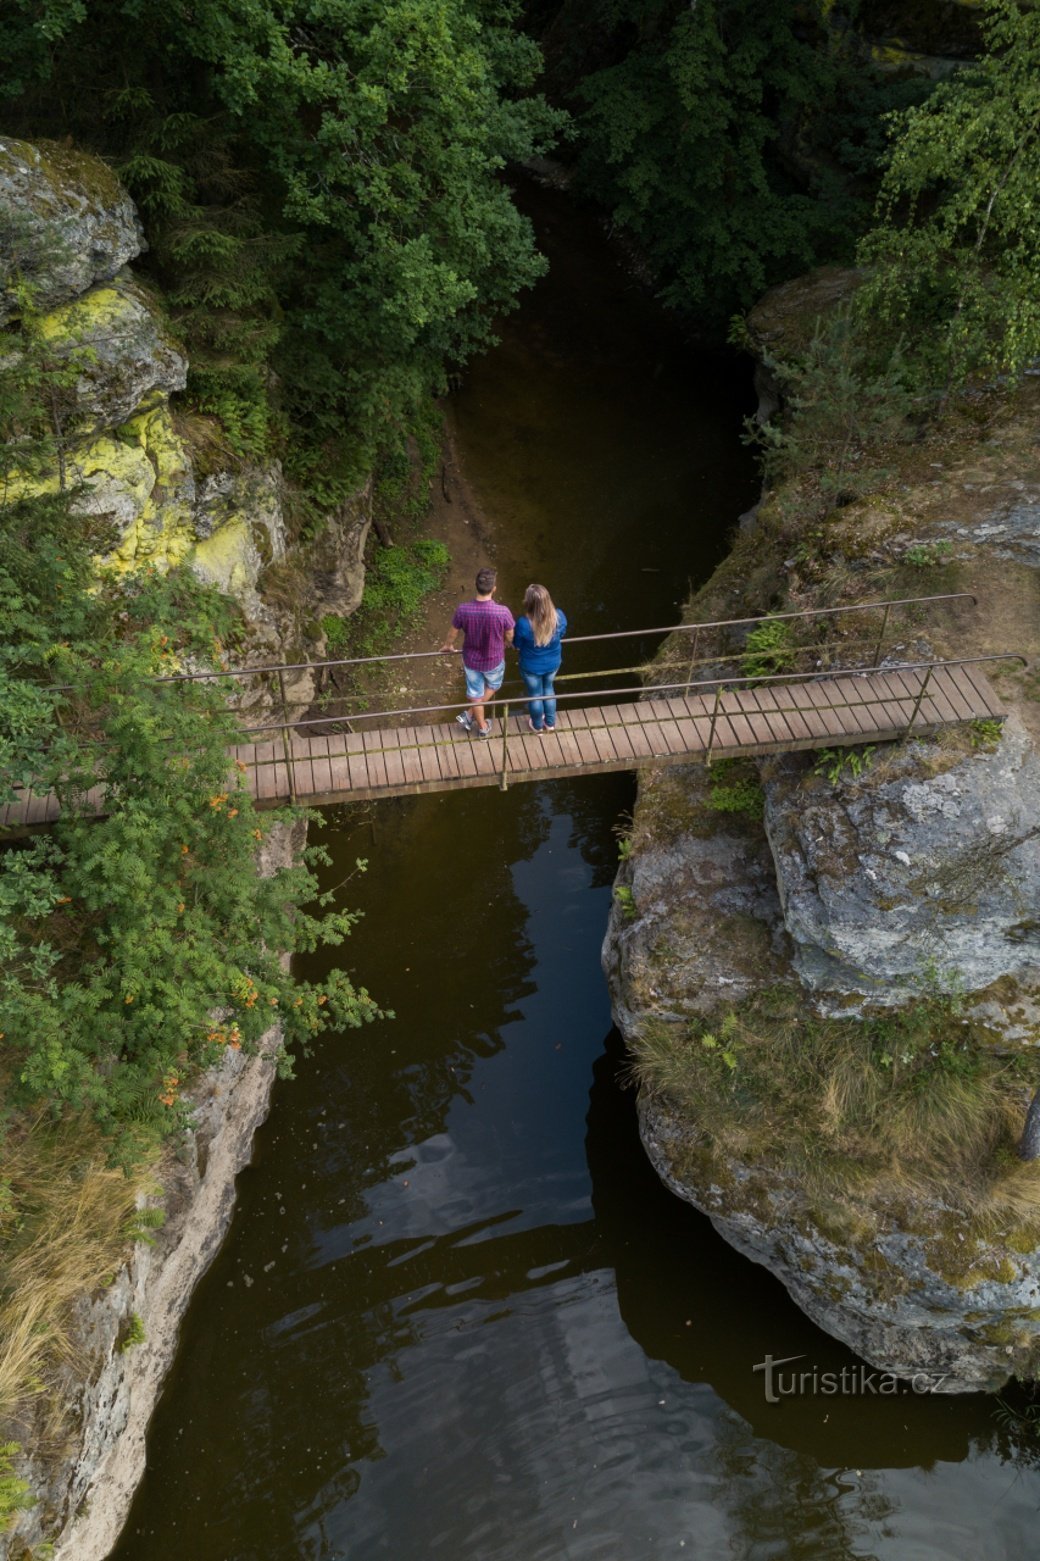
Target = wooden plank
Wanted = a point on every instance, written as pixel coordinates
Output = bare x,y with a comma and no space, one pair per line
594,720
487,756
375,758
622,743
636,731
393,758
898,697
271,782
462,752
776,720
810,722
570,753
340,769
520,759
321,768
961,697
941,701
845,720
686,728
453,754
739,719
36,809
670,736
988,703
429,762
722,735
862,702
357,765
411,766
832,727
911,683
588,744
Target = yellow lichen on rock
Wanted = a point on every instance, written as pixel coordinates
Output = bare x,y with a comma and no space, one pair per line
149,461
228,558
102,306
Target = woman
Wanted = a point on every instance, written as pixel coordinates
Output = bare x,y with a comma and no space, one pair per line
537,639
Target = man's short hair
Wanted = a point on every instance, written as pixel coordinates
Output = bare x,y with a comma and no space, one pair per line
486,580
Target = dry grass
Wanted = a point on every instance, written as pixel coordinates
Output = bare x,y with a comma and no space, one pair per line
907,1101
65,1219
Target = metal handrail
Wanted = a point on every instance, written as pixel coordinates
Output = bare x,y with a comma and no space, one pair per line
720,686
580,639
711,684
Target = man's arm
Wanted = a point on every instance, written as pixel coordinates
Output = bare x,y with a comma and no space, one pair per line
449,641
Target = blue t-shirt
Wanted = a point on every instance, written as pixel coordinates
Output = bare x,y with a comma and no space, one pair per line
539,658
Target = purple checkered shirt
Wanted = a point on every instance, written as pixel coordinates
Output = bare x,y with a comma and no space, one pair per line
485,626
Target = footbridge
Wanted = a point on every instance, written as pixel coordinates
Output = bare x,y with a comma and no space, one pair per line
316,732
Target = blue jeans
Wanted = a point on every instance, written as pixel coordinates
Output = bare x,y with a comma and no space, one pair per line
541,701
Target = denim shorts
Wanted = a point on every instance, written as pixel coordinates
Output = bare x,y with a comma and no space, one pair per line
478,682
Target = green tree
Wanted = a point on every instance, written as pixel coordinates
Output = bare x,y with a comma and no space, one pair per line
135,947
322,185
730,141
955,256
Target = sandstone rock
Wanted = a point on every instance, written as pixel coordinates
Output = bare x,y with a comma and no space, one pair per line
83,1497
141,479
65,222
700,923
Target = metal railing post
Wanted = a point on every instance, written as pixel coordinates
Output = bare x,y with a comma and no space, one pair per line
503,784
711,729
922,691
290,768
881,634
693,657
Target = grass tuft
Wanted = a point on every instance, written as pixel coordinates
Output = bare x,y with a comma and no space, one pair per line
64,1217
907,1101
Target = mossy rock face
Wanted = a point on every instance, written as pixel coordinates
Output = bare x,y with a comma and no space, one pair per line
65,222
123,350
240,530
929,1298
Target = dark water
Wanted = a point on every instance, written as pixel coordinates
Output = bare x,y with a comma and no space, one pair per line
457,1315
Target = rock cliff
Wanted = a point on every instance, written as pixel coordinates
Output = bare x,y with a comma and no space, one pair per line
146,468
889,914
68,232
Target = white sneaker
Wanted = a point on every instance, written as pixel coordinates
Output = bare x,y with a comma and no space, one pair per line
465,721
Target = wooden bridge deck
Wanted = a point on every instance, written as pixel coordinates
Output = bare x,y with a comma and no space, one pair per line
395,761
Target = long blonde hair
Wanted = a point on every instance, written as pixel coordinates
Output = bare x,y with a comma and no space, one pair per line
538,605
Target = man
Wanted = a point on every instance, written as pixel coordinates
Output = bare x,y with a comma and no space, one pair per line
487,628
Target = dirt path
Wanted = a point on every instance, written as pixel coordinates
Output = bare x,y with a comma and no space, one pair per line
456,518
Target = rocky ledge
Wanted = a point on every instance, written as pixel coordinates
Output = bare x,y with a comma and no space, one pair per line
888,908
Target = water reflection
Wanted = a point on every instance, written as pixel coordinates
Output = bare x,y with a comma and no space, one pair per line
459,1316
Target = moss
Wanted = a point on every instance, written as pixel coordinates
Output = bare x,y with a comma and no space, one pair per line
227,556
69,165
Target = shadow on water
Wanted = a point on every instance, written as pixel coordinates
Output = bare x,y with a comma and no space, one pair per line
457,1315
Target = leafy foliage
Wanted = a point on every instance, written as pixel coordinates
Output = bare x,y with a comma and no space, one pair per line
728,140
320,184
769,649
955,254
841,404
734,787
135,947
